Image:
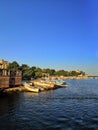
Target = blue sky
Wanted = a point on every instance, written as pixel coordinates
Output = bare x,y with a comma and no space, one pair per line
59,34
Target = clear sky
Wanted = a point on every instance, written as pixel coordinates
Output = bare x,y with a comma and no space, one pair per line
59,34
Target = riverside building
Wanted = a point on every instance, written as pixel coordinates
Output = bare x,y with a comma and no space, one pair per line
9,78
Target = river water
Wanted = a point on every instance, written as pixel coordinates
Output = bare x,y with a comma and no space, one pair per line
72,108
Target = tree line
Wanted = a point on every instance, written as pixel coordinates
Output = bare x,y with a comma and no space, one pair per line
36,72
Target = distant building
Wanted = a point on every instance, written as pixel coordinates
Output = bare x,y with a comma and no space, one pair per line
3,64
78,71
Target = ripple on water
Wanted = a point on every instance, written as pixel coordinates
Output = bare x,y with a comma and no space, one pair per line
71,108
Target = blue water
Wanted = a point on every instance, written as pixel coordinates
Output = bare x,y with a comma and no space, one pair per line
72,108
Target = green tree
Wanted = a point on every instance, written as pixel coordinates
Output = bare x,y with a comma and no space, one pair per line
52,72
74,73
60,73
66,73
82,73
33,68
13,65
24,67
27,73
38,69
38,74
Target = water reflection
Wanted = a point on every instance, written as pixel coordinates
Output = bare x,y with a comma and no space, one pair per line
7,102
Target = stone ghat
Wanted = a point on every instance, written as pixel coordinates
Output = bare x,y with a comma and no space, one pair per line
24,89
15,89
42,86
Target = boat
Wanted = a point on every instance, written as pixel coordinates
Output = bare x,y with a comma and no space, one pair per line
60,83
44,84
31,88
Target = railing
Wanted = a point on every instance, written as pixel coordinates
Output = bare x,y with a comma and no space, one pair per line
4,73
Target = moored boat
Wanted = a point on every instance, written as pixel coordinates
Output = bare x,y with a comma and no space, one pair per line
60,83
30,88
44,84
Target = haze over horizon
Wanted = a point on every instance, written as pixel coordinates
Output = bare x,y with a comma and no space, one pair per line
58,34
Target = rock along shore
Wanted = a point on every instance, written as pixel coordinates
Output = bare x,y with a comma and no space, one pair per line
42,86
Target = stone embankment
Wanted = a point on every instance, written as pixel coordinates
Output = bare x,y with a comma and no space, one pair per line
42,86
15,89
